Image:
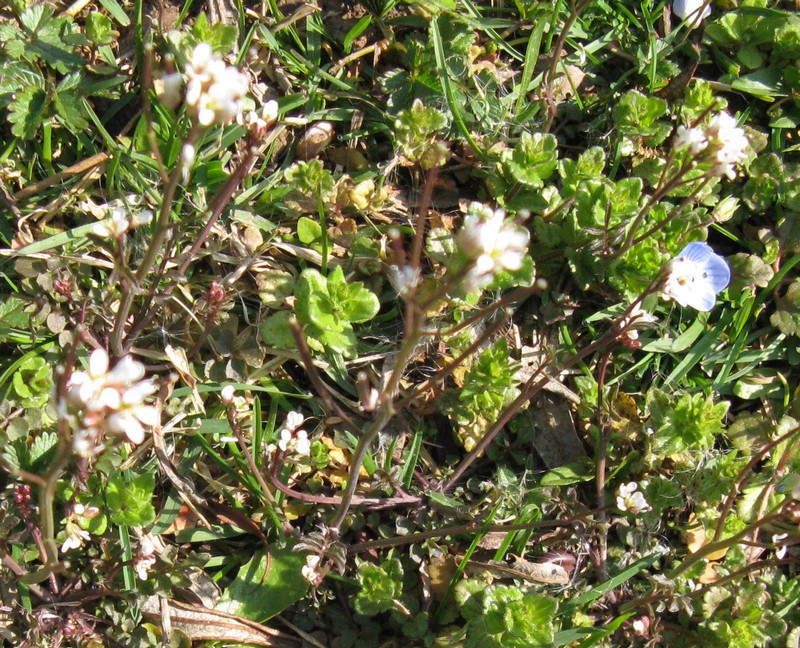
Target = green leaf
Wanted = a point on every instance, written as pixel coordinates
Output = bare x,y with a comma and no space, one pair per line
27,111
259,598
691,423
571,473
313,304
380,586
766,83
309,231
130,503
220,36
69,106
534,159
99,28
276,331
787,318
117,12
638,115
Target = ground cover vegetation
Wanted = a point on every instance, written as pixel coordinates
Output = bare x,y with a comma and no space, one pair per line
379,323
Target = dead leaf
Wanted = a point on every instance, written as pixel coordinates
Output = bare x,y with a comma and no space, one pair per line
201,624
178,359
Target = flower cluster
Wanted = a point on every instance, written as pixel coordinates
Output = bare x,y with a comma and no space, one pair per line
110,401
721,142
637,318
145,559
695,277
214,90
692,11
404,279
120,221
292,438
309,570
76,535
629,498
491,243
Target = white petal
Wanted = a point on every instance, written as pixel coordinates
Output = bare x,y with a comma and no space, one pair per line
147,414
98,363
126,371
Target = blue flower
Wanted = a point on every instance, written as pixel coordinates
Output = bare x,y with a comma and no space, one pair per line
695,277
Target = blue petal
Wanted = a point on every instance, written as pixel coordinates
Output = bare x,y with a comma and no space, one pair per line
702,299
717,272
697,252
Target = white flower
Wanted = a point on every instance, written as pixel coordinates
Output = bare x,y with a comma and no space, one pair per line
720,142
629,498
293,421
115,226
728,142
143,217
692,138
171,87
309,570
302,444
404,279
261,123
188,155
293,440
780,547
636,318
75,537
492,243
227,394
112,401
214,90
695,277
692,11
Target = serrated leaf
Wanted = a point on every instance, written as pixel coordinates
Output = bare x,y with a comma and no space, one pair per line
26,112
130,503
534,159
69,106
35,18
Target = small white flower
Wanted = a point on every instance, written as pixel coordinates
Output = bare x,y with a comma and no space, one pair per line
144,217
214,90
636,318
728,142
692,11
492,243
302,444
75,536
115,226
112,401
692,138
188,155
146,558
695,277
629,498
780,547
309,570
227,394
171,90
404,279
293,440
286,438
293,421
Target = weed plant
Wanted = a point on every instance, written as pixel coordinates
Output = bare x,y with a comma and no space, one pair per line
434,322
